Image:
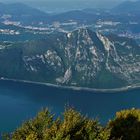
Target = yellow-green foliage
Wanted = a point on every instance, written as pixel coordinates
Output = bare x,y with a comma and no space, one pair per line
74,126
34,129
126,125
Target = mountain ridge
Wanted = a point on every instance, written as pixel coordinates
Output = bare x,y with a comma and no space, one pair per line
78,58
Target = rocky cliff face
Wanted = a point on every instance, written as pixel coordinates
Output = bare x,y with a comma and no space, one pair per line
79,58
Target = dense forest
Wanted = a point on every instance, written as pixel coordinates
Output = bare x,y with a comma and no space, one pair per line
72,125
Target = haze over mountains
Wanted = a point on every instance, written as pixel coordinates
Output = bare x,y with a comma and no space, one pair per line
21,12
128,7
27,15
58,6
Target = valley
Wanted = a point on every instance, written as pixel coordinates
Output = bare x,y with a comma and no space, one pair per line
84,58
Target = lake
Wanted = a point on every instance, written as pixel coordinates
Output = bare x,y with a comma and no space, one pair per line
21,101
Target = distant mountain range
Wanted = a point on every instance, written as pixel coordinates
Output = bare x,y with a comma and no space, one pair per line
76,15
79,58
19,9
130,7
23,13
28,15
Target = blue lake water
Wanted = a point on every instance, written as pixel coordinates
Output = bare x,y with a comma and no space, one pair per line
21,101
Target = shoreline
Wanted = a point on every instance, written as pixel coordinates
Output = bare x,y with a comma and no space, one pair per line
127,88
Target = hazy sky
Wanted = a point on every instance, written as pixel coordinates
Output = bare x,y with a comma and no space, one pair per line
63,5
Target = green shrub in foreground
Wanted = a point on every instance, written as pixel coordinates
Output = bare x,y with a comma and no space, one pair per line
126,125
74,126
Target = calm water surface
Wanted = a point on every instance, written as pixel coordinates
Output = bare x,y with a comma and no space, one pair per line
21,101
